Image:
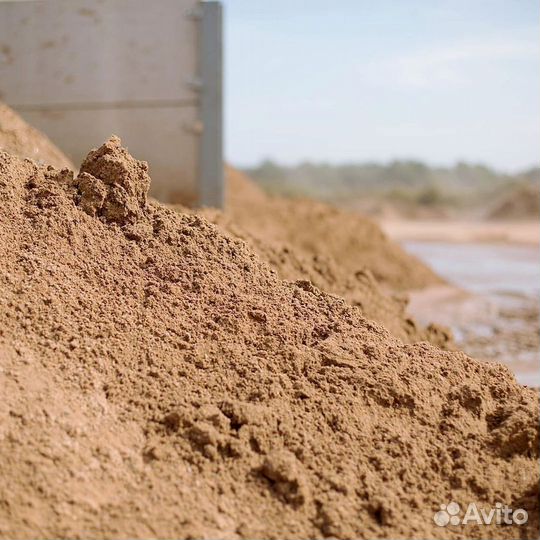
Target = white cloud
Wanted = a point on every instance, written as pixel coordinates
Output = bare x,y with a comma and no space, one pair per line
449,66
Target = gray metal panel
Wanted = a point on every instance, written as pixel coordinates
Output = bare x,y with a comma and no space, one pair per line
211,182
84,51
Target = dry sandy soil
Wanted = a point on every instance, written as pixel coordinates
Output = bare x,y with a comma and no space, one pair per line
341,253
20,139
160,380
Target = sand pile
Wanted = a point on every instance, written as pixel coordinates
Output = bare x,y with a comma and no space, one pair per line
20,139
282,233
313,228
522,202
160,381
359,289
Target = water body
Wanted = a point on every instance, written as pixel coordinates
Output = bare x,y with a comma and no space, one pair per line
494,307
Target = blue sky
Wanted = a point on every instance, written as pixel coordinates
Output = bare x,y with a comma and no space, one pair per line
376,80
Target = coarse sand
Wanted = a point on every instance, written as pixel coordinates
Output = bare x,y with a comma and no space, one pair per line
360,288
20,139
159,380
338,251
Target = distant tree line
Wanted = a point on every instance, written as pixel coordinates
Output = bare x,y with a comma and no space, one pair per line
409,181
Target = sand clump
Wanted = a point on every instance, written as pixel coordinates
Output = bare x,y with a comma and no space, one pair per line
20,139
159,380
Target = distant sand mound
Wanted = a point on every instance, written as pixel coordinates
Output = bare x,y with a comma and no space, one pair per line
522,202
359,289
20,139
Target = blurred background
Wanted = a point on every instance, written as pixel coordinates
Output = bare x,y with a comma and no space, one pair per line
416,109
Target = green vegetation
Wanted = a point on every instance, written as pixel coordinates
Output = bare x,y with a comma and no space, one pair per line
401,182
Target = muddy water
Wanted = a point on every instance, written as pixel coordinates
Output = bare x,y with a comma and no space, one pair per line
493,303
